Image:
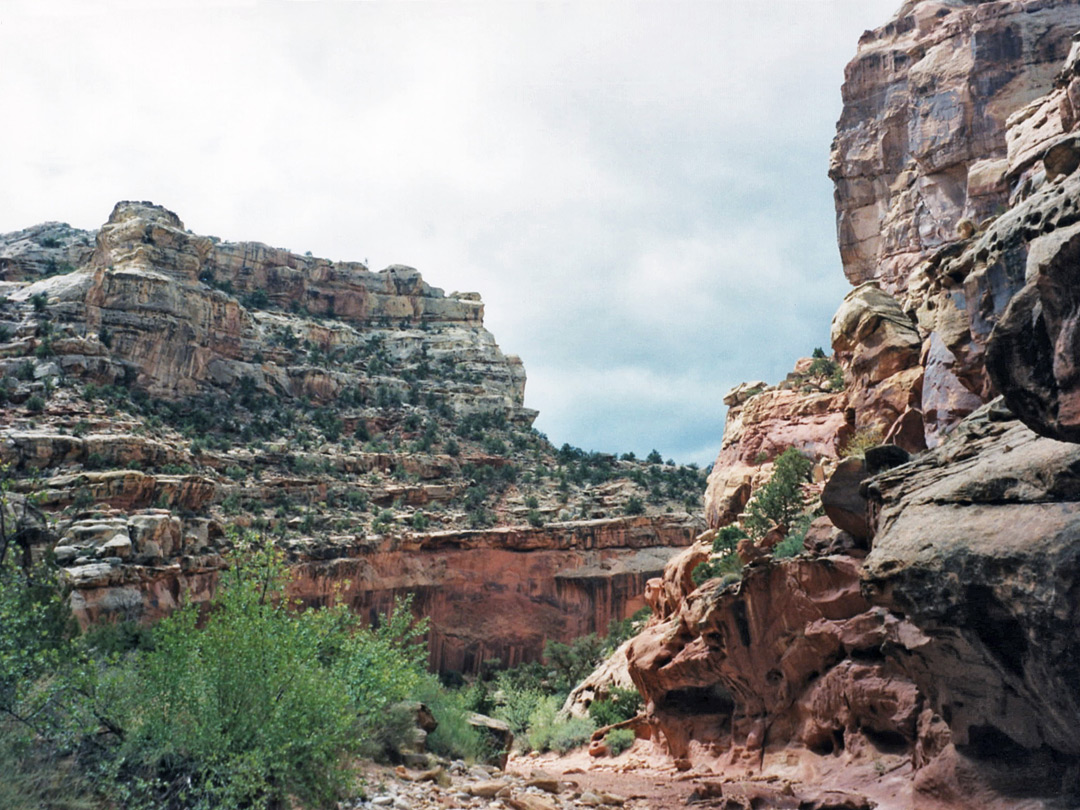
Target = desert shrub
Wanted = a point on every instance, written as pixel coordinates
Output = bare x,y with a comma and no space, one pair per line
239,713
35,404
550,732
571,663
619,739
634,506
420,521
724,561
383,521
779,501
863,439
25,371
515,705
620,704
535,518
453,737
40,302
619,630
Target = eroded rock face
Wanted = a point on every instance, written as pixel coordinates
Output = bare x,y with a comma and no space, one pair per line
762,422
976,544
1033,350
787,656
921,144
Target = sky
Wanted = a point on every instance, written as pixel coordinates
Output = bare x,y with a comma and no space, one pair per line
638,190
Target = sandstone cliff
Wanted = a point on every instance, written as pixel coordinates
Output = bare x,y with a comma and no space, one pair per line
162,387
923,651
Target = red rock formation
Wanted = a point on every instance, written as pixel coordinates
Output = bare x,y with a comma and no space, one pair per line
499,593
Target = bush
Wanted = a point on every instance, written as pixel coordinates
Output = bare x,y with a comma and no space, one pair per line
619,739
634,506
239,713
780,500
620,704
863,439
549,732
454,737
35,404
724,561
260,708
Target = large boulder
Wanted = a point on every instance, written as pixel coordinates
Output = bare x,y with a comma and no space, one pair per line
976,545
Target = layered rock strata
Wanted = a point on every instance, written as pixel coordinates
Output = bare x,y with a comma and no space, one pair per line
164,390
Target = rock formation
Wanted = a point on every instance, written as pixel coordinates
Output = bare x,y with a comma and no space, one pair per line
923,652
163,388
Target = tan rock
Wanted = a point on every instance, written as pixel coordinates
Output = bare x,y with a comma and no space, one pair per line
927,104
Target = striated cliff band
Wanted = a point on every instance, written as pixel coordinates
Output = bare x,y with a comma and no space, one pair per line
161,387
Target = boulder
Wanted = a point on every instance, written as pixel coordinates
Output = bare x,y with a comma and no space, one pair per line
843,503
974,543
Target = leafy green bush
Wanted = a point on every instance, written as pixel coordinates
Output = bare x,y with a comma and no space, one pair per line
619,739
621,704
573,662
724,561
549,732
453,737
634,506
239,713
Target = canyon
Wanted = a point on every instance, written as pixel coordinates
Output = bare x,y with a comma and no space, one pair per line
168,394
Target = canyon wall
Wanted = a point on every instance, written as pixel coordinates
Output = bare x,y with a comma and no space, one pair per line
166,393
927,658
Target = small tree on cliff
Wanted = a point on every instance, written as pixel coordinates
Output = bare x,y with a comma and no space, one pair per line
780,500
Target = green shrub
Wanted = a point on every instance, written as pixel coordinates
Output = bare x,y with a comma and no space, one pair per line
634,506
619,739
239,713
453,737
779,501
35,404
549,732
40,302
620,704
724,562
573,662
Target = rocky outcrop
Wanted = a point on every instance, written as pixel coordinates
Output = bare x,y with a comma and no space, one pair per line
491,594
762,421
975,543
934,616
1032,352
183,314
921,152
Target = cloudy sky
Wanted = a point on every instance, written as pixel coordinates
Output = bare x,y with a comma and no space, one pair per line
637,189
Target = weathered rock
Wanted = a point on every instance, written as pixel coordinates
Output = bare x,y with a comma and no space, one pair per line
498,733
758,429
843,503
921,143
1033,352
974,544
610,673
